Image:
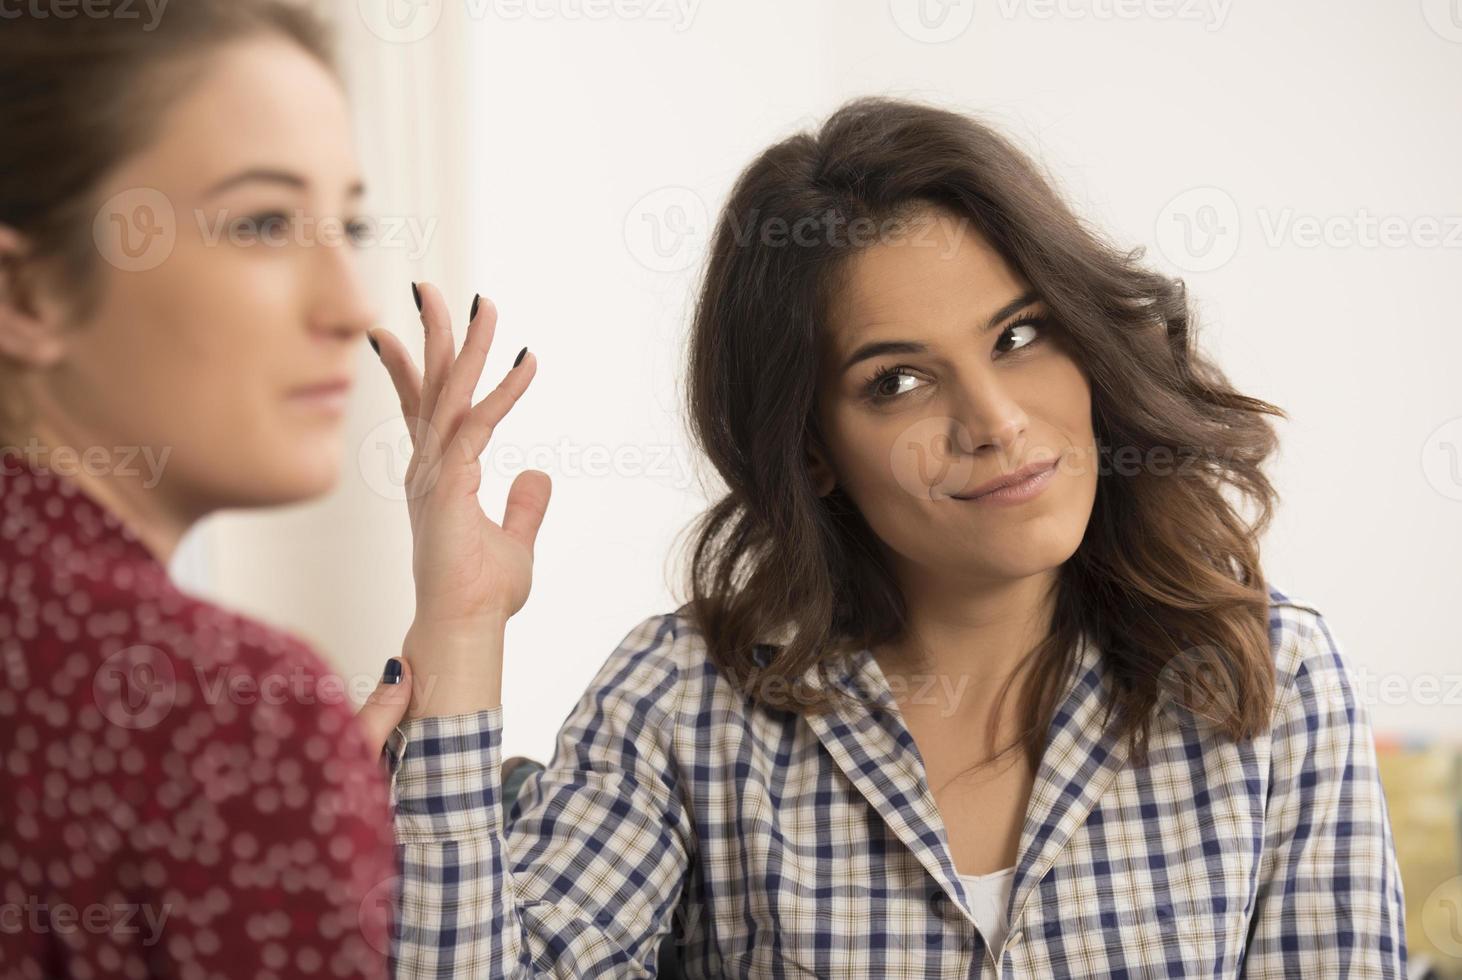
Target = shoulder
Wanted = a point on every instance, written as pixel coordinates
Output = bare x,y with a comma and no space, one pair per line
1312,672
663,659
648,663
172,669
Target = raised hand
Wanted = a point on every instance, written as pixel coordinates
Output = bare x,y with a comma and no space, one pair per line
471,572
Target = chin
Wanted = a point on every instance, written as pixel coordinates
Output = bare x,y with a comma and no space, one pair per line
311,469
317,475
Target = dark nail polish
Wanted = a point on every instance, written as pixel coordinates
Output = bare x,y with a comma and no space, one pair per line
519,359
416,295
473,315
374,346
393,671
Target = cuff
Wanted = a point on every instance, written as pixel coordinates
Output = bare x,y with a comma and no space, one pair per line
446,776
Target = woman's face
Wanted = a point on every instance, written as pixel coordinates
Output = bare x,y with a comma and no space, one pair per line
208,348
969,394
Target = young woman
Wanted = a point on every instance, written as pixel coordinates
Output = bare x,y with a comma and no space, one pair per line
187,792
979,674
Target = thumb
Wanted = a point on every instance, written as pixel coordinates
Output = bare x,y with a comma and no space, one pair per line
527,502
387,705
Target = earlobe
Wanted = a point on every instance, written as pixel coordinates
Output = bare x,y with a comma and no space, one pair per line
28,335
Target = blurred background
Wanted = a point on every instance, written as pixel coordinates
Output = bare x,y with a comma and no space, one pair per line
1296,164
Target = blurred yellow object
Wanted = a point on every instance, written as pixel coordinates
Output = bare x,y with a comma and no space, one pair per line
1422,778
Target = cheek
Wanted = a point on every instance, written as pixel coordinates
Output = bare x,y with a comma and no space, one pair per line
180,345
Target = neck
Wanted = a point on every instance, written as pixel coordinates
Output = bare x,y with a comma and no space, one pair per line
128,489
968,640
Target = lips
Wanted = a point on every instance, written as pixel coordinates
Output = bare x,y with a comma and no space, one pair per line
1015,476
335,386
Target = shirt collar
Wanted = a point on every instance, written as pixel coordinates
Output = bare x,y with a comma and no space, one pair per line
878,755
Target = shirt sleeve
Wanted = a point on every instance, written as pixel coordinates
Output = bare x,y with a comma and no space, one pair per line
586,882
1329,900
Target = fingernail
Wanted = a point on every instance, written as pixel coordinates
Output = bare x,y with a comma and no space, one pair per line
519,359
374,346
475,300
416,295
393,672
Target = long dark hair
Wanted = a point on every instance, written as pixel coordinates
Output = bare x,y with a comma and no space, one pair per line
1167,579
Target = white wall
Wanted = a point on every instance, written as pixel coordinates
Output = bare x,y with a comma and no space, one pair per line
578,133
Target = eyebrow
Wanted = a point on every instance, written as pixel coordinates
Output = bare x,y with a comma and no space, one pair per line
272,176
878,348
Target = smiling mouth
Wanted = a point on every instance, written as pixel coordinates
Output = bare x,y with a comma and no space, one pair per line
1020,490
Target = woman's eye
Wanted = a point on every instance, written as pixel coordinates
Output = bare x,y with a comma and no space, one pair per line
359,231
271,228
1032,328
890,383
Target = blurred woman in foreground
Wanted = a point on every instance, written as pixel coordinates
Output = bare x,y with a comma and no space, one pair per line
188,792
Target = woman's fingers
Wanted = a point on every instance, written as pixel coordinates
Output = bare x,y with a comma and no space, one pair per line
440,351
477,427
404,376
387,705
438,401
455,399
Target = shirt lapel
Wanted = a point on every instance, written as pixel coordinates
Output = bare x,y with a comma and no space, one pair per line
1080,761
877,754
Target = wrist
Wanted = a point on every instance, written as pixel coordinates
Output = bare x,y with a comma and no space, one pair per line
456,633
454,670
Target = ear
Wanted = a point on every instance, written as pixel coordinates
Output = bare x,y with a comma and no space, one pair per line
30,331
823,477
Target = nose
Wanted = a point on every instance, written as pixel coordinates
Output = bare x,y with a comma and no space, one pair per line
987,419
340,307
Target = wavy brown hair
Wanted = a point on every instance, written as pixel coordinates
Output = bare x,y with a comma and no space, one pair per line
1167,578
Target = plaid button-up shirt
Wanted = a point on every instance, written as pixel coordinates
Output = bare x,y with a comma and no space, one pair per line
769,844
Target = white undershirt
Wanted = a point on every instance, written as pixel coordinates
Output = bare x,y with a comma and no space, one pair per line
988,896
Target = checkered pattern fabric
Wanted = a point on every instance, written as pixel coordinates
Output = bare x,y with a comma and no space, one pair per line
768,844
